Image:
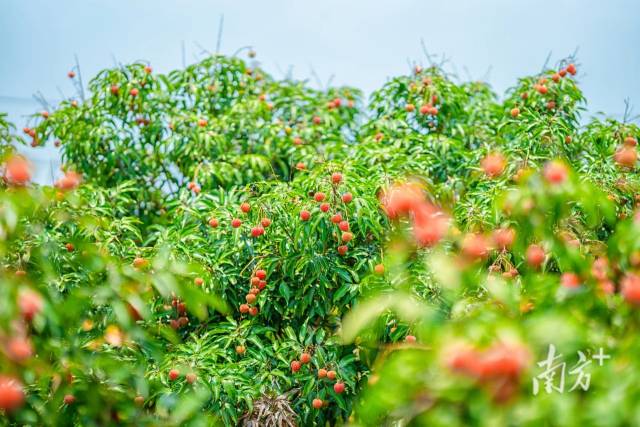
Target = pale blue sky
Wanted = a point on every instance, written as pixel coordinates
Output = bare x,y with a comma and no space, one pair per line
360,42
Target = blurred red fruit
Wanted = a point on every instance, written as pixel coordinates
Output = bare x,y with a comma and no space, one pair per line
139,262
11,394
30,304
630,288
535,256
570,280
235,223
504,237
305,215
626,156
17,171
379,269
503,360
69,181
607,287
600,268
19,349
493,165
475,246
555,172
401,199
429,225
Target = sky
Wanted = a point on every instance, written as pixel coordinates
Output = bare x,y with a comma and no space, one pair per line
356,42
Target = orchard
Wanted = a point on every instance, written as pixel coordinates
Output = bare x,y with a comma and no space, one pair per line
226,248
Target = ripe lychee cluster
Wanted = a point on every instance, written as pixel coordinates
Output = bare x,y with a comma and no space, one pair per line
178,317
336,199
257,284
323,376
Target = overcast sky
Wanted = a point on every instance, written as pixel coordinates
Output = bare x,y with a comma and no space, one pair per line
359,42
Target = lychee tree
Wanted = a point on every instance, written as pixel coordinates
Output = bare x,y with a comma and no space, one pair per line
228,247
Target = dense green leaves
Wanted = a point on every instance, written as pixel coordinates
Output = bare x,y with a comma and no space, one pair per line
150,306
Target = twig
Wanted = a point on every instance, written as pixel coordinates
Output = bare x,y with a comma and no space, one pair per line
81,86
330,80
39,97
467,73
426,52
627,110
485,78
62,95
546,62
204,49
316,76
221,25
184,55
241,49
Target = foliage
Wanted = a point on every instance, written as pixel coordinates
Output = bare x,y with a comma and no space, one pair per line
249,251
